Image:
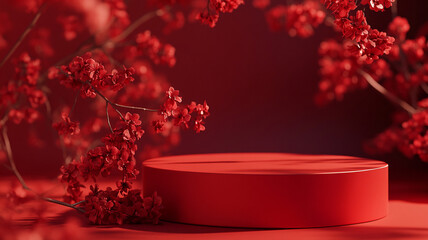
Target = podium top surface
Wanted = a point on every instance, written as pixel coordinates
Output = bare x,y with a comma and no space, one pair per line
264,163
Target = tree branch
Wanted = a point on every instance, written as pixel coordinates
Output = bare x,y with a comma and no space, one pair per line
23,35
9,153
391,97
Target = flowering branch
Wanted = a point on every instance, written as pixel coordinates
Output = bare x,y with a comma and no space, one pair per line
23,96
23,35
65,204
114,105
404,105
92,46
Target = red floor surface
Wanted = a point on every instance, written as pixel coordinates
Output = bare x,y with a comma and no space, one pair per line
407,219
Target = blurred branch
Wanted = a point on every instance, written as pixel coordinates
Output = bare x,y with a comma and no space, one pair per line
23,35
83,48
9,153
21,179
391,97
394,9
424,87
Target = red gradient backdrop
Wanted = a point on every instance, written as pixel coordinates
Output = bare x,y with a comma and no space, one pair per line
260,87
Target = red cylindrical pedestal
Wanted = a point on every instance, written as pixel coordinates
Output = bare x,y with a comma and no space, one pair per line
268,190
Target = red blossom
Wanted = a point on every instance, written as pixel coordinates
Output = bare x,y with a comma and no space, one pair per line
261,4
70,175
385,142
414,49
8,94
109,207
174,21
276,18
27,114
416,136
88,75
35,97
210,14
71,25
399,28
119,79
297,19
27,70
340,8
208,18
226,6
354,28
194,114
378,5
158,52
339,71
158,125
377,44
181,117
369,43
66,127
174,94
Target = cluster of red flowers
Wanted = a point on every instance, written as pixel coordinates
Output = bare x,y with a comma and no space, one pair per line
416,136
66,127
111,207
88,76
23,87
182,115
118,153
210,14
354,63
158,52
342,64
378,5
369,43
109,32
409,137
297,19
339,70
121,205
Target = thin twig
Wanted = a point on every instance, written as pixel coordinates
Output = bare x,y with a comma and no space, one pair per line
75,101
78,203
394,9
136,108
114,105
5,118
108,118
23,35
107,100
63,204
386,93
9,153
424,87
